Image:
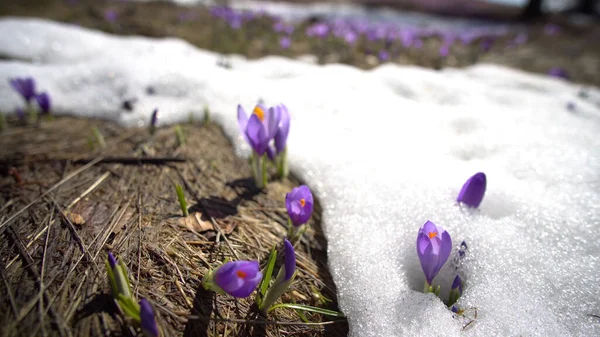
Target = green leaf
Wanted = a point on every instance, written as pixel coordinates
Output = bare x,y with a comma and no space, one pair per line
307,308
264,284
182,202
111,279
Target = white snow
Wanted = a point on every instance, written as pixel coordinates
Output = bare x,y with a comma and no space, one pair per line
385,151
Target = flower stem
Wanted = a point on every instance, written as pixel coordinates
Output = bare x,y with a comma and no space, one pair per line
282,166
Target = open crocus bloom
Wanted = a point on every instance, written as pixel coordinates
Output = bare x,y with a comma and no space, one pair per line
24,86
299,204
238,278
433,247
473,190
260,128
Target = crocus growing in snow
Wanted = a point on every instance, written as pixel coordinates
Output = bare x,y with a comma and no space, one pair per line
43,100
147,319
236,278
25,87
473,190
433,247
284,279
259,130
455,290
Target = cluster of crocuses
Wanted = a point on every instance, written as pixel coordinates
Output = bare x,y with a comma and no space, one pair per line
235,18
260,129
26,87
434,244
241,278
140,313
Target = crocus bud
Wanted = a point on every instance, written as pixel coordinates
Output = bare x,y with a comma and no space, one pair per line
473,190
153,121
236,278
285,278
457,284
43,101
433,247
299,205
147,319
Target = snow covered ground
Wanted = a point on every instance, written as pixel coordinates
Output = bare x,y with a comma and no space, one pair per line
385,150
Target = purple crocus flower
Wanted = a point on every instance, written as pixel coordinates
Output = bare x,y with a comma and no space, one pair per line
433,247
289,260
457,284
558,73
283,128
383,55
473,190
551,29
44,102
299,204
238,278
147,319
24,86
260,128
111,15
454,309
285,42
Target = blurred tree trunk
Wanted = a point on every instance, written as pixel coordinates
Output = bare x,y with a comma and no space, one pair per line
533,9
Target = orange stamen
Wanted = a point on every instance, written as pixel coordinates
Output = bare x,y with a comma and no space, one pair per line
258,111
302,202
432,234
240,274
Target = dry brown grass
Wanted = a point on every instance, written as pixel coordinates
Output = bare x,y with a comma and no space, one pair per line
70,205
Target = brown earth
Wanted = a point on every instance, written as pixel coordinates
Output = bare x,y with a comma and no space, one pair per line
64,205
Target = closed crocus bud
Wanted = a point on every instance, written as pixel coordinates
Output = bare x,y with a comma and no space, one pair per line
473,190
284,280
43,101
433,247
112,261
236,278
457,284
299,205
147,319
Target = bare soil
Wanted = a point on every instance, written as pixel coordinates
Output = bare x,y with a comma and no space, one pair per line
65,202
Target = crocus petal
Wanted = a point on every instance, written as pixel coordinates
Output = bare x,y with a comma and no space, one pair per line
43,101
457,284
283,130
242,119
147,318
445,249
428,260
228,278
111,260
290,259
473,190
430,227
271,122
256,135
271,153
